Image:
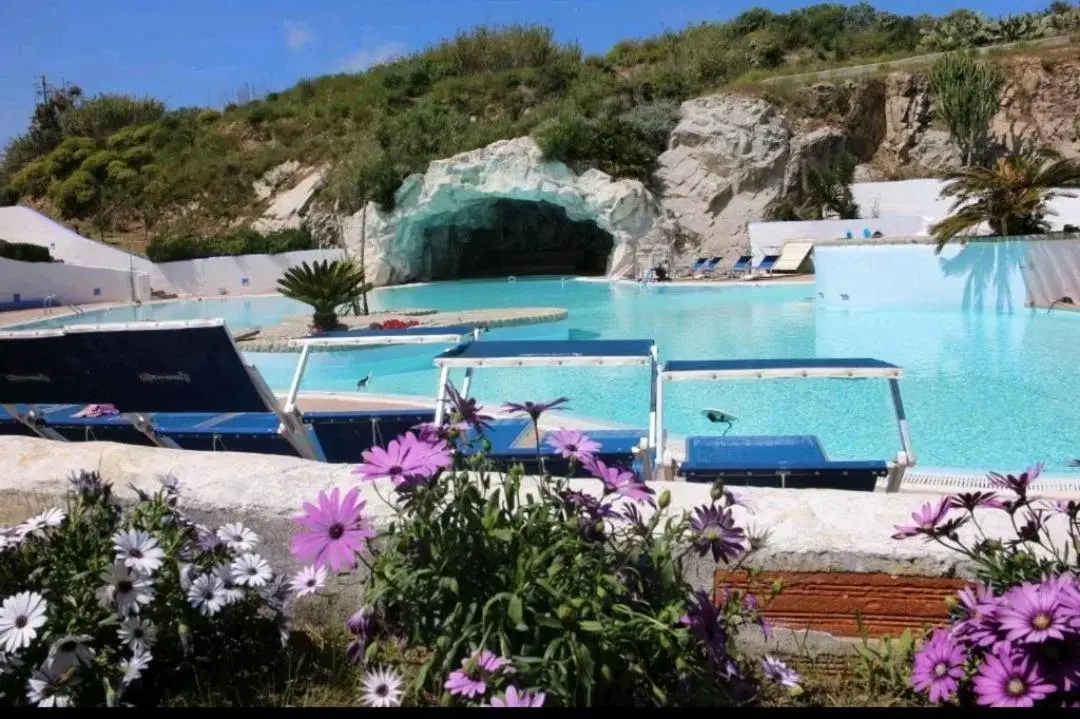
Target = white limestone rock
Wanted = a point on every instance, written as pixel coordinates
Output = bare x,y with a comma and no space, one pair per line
288,208
725,162
463,186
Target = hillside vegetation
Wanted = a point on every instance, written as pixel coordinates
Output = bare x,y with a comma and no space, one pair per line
130,165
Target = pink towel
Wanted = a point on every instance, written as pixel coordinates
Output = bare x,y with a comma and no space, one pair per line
97,410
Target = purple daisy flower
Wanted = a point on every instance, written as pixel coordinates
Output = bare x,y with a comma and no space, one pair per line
1018,485
926,520
471,679
513,698
398,462
336,532
973,500
535,409
981,607
701,616
619,481
775,670
1033,614
466,410
571,443
1006,680
714,530
939,667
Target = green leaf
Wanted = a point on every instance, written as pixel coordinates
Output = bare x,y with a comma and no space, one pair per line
503,535
514,610
590,625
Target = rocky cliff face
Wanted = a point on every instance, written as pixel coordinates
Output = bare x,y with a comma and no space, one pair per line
729,157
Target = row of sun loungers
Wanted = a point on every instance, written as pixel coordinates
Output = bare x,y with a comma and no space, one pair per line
185,385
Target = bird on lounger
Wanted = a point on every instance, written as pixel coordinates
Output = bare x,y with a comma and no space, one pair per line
362,383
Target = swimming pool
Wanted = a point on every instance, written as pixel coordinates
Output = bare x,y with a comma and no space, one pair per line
982,390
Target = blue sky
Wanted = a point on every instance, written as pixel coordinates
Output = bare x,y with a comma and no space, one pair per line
204,52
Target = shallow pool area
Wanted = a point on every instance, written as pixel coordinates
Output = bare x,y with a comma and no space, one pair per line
982,389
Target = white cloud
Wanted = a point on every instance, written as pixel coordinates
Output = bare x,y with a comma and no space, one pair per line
297,34
364,58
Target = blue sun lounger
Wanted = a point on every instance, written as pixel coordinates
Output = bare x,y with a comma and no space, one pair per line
799,461
163,377
343,436
741,266
513,440
765,266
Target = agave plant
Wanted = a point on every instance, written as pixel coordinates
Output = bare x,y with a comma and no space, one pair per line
1012,196
328,286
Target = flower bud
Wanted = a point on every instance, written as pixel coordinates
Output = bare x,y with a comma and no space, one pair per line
664,499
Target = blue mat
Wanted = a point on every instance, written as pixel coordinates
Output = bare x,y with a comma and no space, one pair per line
344,436
88,429
255,432
513,441
794,462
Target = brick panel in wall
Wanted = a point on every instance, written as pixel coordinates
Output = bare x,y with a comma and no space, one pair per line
830,601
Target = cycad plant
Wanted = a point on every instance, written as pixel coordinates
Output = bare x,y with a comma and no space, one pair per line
1012,196
327,286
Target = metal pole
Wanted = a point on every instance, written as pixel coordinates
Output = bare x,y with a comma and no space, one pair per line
466,384
901,420
440,396
659,425
298,376
654,371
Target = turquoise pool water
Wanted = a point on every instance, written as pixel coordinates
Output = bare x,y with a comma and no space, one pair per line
982,390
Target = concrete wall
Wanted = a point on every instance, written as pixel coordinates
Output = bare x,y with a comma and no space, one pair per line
766,238
240,275
21,224
921,198
996,275
74,284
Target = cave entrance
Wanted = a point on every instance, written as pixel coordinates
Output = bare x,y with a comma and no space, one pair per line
504,237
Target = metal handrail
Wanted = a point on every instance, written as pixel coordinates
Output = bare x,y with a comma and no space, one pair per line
58,301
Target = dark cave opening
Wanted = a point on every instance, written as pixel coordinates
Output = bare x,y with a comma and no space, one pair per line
503,237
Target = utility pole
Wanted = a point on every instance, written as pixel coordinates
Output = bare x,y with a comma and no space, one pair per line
42,91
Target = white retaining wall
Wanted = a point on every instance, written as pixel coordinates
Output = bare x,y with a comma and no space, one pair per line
996,275
766,238
238,275
21,224
74,284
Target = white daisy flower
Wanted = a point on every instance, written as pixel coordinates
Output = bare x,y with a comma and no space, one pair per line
10,538
138,550
49,519
47,686
134,667
21,615
308,580
233,592
382,687
125,589
208,538
170,483
69,651
207,594
139,634
237,537
252,570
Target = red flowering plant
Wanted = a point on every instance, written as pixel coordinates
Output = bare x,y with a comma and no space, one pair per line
529,591
394,324
1014,639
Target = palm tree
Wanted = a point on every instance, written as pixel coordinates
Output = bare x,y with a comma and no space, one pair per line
327,286
1012,196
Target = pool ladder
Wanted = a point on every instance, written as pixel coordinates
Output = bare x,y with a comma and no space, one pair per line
57,302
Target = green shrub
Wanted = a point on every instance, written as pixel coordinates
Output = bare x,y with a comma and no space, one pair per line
68,156
616,146
575,595
174,248
25,252
8,196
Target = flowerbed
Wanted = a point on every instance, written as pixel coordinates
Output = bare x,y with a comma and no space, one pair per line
1015,637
